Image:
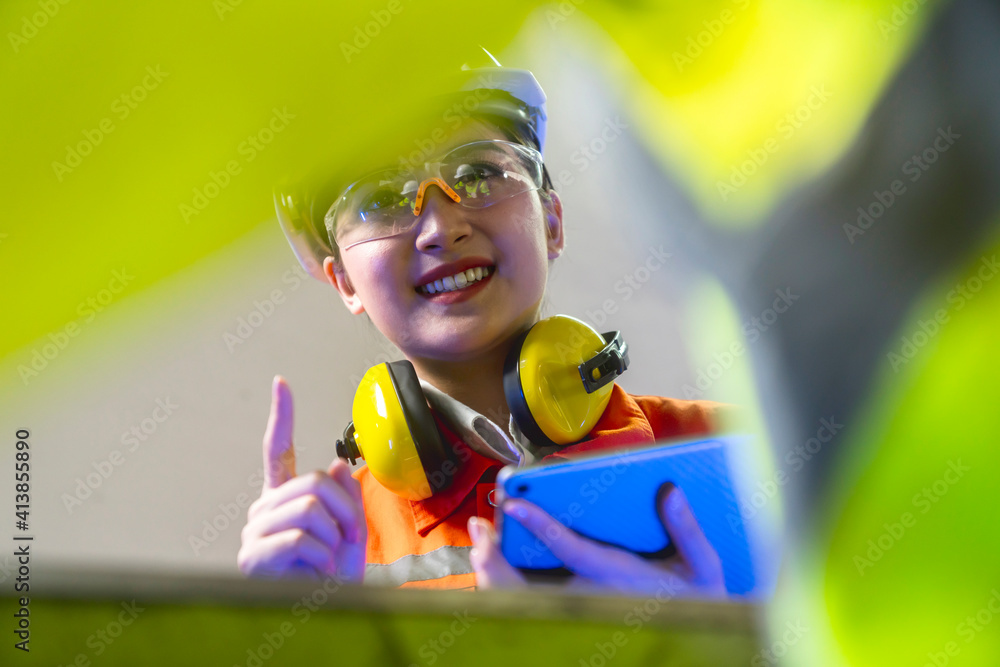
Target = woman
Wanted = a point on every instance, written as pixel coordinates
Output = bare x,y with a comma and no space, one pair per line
450,262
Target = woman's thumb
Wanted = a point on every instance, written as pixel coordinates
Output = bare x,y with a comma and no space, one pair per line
491,568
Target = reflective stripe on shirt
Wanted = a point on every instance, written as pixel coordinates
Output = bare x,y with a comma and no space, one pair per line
441,562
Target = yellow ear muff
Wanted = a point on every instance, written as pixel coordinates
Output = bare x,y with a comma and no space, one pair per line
394,431
558,379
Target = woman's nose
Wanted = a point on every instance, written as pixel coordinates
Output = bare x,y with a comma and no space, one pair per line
442,222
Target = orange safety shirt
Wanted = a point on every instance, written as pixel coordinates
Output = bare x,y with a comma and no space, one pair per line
425,543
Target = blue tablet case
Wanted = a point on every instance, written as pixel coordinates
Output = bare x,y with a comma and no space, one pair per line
612,498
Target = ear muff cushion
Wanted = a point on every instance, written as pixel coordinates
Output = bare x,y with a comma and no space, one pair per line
420,421
542,384
516,401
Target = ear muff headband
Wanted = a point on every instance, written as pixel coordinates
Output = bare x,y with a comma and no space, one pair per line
549,397
394,431
423,430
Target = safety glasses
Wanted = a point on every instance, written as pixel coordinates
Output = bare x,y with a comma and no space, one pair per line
474,175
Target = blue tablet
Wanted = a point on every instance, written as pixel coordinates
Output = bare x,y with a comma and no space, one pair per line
612,498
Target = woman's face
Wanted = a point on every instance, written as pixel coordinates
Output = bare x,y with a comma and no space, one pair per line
512,241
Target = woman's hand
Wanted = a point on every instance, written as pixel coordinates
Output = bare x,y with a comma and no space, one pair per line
306,525
695,570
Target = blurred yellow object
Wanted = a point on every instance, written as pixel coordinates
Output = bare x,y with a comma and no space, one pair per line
151,136
742,100
912,560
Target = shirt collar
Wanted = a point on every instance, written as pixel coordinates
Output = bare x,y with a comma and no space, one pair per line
485,445
466,469
481,434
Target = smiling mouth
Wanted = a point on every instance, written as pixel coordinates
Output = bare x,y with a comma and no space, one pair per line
458,281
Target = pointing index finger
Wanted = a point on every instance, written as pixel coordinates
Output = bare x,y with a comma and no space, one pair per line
279,453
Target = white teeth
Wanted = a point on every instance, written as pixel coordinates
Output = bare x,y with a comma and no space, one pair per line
457,281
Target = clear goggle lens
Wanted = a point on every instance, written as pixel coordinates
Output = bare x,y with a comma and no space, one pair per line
474,175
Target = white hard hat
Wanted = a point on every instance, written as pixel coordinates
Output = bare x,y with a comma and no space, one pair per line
515,95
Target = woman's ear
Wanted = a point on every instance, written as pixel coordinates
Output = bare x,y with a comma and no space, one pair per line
555,240
338,278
